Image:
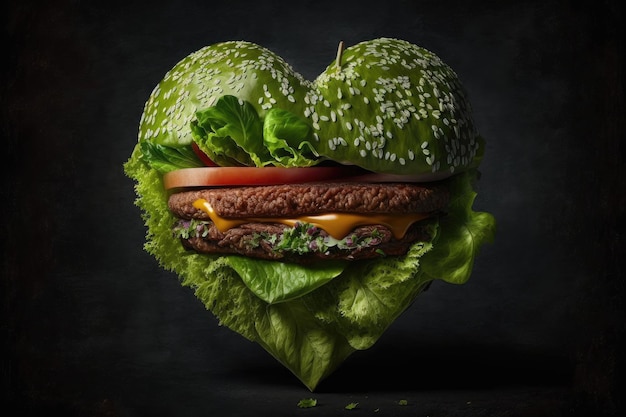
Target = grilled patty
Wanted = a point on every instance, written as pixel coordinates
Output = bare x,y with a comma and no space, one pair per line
263,241
313,198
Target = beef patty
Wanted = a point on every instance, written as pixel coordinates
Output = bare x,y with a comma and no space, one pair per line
313,198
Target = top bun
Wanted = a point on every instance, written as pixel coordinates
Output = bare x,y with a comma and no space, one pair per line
388,106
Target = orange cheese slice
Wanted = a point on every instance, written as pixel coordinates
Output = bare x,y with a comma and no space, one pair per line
338,225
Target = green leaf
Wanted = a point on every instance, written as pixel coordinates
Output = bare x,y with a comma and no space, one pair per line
463,232
307,403
309,347
231,133
351,406
367,297
287,137
276,282
164,158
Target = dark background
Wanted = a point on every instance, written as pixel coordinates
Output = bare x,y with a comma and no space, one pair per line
91,326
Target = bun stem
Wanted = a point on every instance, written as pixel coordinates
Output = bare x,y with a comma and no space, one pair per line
340,49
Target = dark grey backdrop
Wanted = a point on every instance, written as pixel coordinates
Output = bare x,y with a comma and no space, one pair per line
91,326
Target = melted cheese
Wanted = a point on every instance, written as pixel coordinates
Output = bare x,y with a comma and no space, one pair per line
338,225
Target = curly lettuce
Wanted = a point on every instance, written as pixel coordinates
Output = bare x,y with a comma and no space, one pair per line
321,321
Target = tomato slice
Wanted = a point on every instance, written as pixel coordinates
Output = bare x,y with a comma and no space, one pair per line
240,176
250,176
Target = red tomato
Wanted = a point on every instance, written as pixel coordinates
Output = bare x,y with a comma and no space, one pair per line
246,176
203,156
237,176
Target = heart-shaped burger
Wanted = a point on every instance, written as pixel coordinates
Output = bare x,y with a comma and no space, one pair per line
308,216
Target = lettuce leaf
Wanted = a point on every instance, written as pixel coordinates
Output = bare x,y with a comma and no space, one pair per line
463,231
275,282
230,133
315,327
165,158
288,139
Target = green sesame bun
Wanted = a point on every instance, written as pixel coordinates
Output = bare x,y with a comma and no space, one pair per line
385,105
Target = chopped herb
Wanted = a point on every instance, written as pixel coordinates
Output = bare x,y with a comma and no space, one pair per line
300,239
403,402
191,228
351,406
305,238
307,403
